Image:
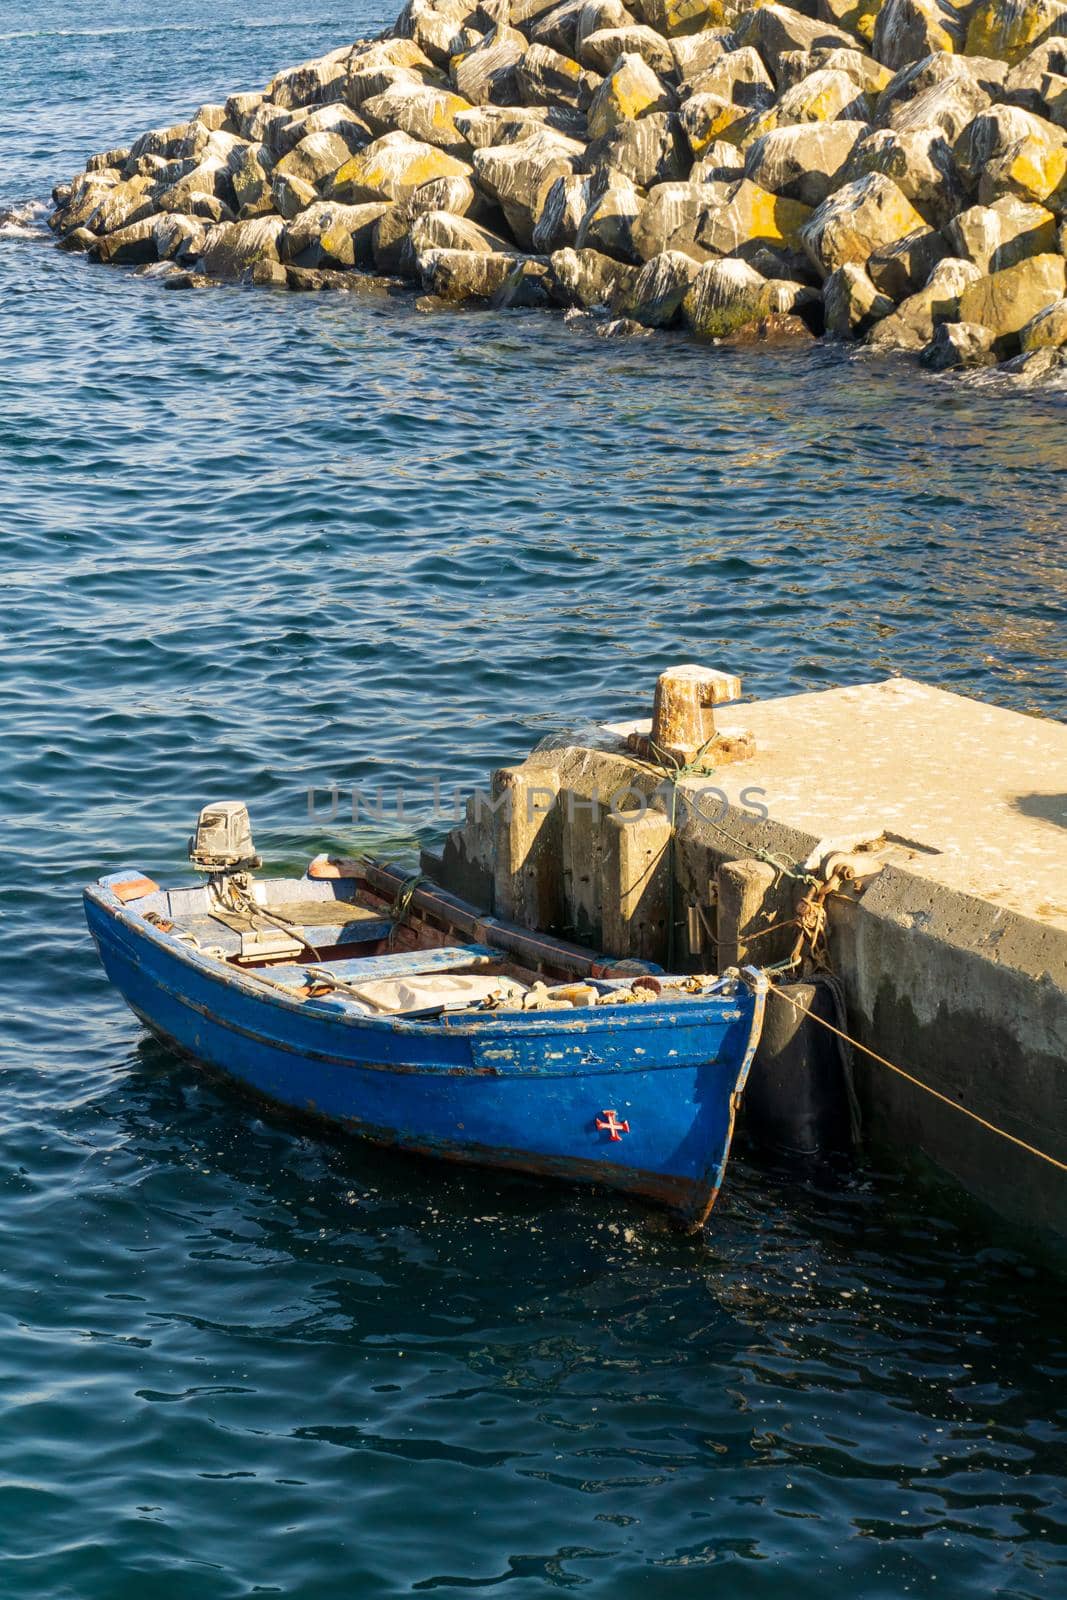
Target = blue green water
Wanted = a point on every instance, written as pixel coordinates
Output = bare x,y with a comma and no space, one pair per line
252,542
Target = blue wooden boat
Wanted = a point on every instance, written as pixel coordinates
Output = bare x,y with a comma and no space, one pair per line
632,1082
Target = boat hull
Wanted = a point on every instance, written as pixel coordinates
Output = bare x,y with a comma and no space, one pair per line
527,1092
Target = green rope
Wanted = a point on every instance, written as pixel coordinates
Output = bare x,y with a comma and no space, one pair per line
402,904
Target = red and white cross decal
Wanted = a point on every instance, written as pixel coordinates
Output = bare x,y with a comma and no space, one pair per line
608,1122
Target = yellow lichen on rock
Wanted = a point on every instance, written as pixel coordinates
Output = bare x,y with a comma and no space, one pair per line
677,18
392,167
751,215
1006,301
630,90
1009,29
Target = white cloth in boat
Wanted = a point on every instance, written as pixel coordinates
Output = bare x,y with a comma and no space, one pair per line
444,991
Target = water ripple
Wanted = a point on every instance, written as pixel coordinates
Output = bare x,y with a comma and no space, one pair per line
255,543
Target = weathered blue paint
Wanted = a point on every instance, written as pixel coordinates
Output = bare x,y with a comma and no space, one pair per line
517,1090
399,964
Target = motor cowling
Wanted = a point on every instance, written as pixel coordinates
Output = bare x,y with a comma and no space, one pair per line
223,839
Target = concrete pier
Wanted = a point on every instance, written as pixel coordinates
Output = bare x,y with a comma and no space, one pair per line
941,824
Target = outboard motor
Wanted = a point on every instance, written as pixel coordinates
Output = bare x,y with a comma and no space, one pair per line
222,842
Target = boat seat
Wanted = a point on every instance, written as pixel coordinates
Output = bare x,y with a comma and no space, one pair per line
224,933
399,964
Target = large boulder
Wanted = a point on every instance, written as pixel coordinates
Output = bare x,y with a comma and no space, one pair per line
596,15
948,106
315,158
251,173
999,236
1005,301
907,30
292,195
233,248
708,118
332,235
132,245
275,128
1009,29
312,81
1005,150
489,72
586,278
775,29
723,297
458,275
168,142
390,168
599,51
859,219
1039,80
901,268
694,54
823,96
178,238
442,230
440,28
956,345
630,90
392,231
851,302
655,297
486,126
866,73
545,77
936,71
806,162
919,162
519,176
648,151
120,205
558,28
675,17
720,162
750,218
372,67
187,199
335,117
609,223
565,204
670,216
423,112
76,204
1032,169
913,324
738,77
1047,330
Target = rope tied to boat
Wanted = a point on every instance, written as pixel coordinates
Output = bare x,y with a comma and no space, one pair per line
927,1088
402,904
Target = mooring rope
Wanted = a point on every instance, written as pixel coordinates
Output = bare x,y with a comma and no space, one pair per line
992,1127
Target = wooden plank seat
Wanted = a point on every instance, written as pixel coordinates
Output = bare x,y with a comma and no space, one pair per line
223,935
399,964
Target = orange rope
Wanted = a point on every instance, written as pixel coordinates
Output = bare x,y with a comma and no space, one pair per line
919,1084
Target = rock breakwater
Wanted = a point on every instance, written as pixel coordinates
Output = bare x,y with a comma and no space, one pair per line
894,172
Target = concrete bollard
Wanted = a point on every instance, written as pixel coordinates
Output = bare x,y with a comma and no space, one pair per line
683,714
636,889
683,720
